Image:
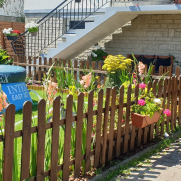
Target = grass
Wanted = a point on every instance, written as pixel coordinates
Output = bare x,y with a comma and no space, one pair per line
126,168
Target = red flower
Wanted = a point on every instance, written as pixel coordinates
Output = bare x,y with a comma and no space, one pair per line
104,57
16,31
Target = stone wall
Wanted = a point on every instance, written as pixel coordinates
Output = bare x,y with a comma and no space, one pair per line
149,35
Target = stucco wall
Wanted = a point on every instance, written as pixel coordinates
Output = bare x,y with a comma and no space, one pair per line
150,35
13,8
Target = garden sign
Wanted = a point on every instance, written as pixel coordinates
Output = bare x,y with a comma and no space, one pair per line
12,80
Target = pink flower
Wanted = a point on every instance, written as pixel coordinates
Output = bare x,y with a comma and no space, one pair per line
142,85
167,112
141,67
122,121
86,80
141,102
94,103
134,76
134,81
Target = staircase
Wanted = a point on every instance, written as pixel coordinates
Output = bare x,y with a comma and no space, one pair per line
66,32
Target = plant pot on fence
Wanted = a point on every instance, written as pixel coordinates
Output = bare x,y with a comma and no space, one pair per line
11,37
142,121
177,1
34,33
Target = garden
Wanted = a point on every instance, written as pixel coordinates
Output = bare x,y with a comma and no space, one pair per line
76,124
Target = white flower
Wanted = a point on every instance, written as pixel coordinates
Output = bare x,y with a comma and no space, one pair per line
158,101
31,25
98,47
93,46
103,48
7,31
94,55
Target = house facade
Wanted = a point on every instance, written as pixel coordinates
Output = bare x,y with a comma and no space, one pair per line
142,27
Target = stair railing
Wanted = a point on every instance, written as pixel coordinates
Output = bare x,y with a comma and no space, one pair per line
68,15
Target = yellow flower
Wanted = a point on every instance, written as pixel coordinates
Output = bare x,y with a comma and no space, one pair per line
126,84
114,63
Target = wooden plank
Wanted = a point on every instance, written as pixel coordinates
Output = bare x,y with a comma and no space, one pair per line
120,117
9,143
177,71
146,129
125,149
75,72
29,68
163,104
179,103
99,75
45,63
172,103
41,139
67,138
55,139
80,107
81,67
26,140
112,118
89,131
133,133
168,103
98,129
34,69
152,125
169,70
160,71
175,100
158,95
39,70
105,124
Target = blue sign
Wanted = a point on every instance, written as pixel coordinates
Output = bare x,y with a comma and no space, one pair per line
17,94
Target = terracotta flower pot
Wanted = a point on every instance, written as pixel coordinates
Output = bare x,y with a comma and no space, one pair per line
141,121
177,1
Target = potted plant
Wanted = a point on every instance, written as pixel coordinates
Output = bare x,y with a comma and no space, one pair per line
10,34
32,28
148,109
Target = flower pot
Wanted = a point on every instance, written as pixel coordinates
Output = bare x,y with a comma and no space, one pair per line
142,121
177,1
11,37
34,33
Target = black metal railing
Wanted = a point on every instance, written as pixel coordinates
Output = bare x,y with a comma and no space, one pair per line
68,15
54,25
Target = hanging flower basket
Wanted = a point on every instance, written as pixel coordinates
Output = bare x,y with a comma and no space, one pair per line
34,33
11,37
142,121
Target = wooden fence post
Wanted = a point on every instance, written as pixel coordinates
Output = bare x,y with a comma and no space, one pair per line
80,106
55,139
125,149
120,117
98,129
67,139
106,117
89,131
26,140
111,125
41,139
9,143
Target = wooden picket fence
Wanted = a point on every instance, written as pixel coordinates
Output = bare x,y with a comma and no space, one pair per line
36,67
110,141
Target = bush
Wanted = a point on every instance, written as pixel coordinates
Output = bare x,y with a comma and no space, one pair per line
4,58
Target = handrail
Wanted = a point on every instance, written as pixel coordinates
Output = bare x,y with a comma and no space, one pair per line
55,24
